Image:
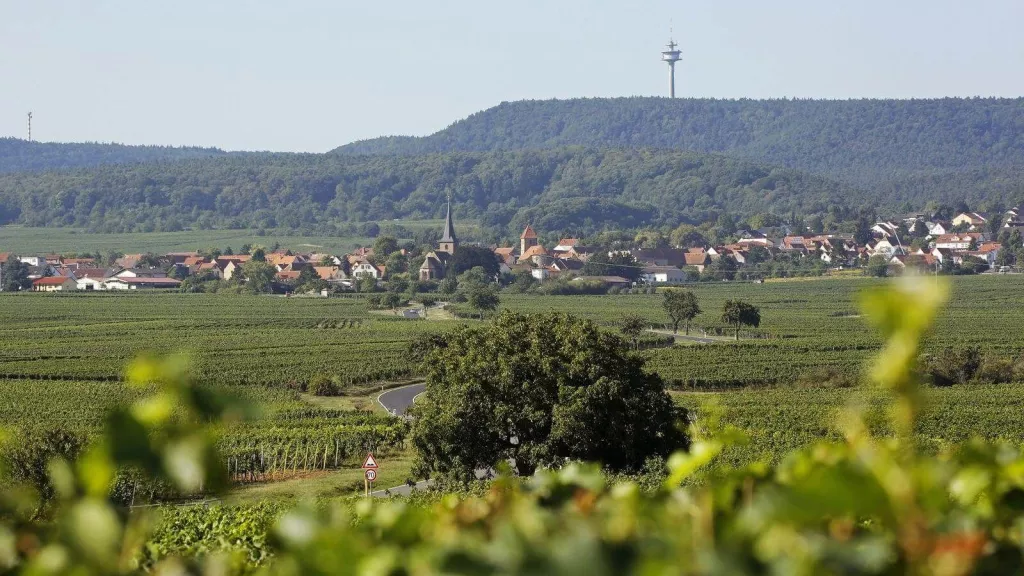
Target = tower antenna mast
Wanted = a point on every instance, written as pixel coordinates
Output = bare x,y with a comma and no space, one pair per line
29,126
671,56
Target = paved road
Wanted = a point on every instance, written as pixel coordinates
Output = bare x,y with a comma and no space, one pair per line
398,400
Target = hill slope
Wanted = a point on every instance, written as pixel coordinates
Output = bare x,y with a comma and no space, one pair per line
862,142
24,156
565,189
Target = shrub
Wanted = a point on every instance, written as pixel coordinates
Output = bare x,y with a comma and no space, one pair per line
954,366
322,385
996,369
27,463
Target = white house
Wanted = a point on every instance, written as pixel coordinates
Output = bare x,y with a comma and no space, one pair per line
140,273
33,260
885,229
936,228
663,275
958,241
883,248
88,283
364,268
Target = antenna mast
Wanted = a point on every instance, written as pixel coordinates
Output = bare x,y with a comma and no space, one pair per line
671,56
29,126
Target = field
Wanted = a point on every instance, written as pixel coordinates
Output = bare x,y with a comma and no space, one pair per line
809,330
23,240
26,240
62,357
778,420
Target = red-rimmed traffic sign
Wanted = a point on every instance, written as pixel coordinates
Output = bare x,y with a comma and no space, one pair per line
370,474
370,463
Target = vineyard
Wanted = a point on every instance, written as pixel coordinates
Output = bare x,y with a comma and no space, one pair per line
779,420
232,340
809,331
62,358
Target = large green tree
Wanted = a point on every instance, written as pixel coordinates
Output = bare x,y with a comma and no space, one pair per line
633,327
14,275
738,313
681,306
535,391
259,276
469,257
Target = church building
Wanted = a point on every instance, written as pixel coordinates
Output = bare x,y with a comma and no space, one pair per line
436,263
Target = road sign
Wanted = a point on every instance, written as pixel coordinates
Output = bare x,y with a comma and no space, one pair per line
370,463
370,474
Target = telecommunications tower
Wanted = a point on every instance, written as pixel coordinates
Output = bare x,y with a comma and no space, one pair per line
29,126
672,55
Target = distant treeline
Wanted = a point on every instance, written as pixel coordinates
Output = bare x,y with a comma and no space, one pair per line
862,142
24,156
571,189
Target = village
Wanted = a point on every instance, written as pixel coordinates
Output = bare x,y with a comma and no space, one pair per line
968,243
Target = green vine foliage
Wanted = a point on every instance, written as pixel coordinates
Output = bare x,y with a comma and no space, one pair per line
862,505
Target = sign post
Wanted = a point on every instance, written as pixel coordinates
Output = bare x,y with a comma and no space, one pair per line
369,472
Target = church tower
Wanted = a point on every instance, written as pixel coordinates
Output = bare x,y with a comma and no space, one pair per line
527,240
448,241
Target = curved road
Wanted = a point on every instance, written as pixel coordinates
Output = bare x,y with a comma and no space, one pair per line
398,400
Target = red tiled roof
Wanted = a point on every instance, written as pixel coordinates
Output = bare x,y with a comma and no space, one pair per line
528,233
326,272
696,259
50,281
532,251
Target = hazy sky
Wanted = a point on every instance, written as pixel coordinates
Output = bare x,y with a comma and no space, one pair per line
309,75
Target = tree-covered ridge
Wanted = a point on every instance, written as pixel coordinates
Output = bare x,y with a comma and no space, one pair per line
864,142
563,189
23,156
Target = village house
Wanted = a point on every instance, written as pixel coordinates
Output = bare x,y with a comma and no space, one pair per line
676,257
54,284
959,241
663,275
698,260
140,282
367,269
334,275
972,220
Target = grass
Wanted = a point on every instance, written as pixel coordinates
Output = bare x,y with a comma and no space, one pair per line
394,471
28,240
25,240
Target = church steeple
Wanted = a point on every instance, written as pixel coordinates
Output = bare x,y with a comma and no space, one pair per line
448,241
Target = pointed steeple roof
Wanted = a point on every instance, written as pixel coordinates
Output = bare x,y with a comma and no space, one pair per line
528,233
448,234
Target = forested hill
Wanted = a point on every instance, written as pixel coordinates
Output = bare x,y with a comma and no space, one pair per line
863,142
24,156
571,189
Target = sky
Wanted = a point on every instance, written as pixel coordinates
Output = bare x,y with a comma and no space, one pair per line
310,75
